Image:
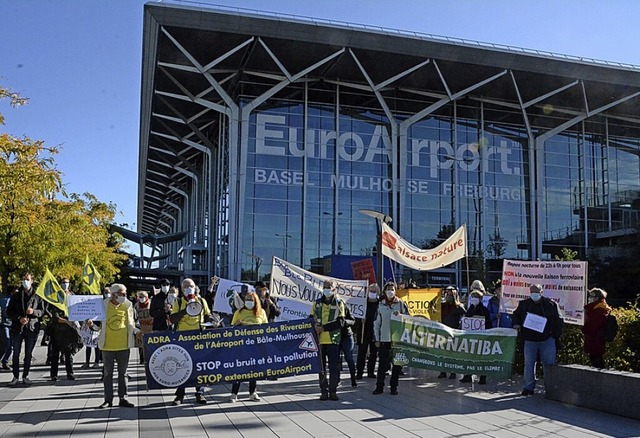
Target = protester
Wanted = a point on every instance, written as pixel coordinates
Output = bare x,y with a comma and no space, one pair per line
595,319
25,310
451,312
346,344
270,307
64,337
116,339
540,322
328,312
143,316
499,315
5,327
184,319
251,313
158,310
367,350
390,305
477,309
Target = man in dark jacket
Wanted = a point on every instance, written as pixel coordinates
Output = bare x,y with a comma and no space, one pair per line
364,335
159,311
25,310
540,322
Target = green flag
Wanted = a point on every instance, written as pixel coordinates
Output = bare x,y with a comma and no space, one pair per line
91,277
51,292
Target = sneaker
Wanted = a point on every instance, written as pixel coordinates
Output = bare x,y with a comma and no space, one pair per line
333,396
466,379
13,382
394,391
71,377
442,375
26,380
177,401
378,391
371,375
254,397
233,398
526,392
124,403
84,366
324,396
200,399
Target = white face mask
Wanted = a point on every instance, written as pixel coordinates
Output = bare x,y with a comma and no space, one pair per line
26,284
164,289
536,296
121,299
65,286
249,304
373,296
142,299
474,301
390,293
327,292
189,291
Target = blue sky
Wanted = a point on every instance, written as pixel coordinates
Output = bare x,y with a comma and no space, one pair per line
79,61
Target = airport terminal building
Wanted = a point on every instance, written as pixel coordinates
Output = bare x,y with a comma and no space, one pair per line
264,135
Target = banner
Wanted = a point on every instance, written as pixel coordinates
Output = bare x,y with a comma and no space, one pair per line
291,282
563,282
83,307
91,277
421,343
231,354
398,249
422,302
51,292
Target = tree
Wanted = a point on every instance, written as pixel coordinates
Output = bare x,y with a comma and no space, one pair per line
445,232
497,245
40,225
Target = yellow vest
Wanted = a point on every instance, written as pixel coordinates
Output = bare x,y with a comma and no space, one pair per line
116,330
188,322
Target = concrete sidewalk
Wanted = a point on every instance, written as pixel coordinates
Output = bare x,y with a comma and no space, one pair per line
425,407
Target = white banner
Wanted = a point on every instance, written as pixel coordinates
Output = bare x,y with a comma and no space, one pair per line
292,283
563,282
83,307
224,295
398,249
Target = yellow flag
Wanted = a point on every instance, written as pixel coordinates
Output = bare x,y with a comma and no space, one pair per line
50,291
91,277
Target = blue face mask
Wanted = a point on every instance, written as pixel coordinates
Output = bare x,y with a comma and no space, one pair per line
327,293
535,297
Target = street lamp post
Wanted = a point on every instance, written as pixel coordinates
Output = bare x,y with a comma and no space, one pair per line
284,236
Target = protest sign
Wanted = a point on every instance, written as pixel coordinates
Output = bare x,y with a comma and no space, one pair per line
291,282
89,337
194,358
224,295
472,323
422,302
83,307
421,343
563,282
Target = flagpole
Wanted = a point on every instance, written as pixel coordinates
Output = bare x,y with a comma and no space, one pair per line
379,217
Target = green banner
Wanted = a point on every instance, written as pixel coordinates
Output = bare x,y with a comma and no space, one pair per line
421,343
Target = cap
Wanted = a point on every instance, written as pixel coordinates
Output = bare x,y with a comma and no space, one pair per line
165,282
260,284
535,288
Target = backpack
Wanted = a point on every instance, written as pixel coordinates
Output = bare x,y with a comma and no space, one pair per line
610,328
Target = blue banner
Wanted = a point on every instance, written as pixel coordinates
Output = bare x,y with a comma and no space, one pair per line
207,357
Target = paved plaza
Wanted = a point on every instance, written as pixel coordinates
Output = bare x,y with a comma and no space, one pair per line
426,407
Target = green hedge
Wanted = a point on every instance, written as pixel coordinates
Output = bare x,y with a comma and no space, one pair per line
622,354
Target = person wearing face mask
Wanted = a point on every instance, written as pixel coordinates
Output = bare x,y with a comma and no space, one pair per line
25,310
477,309
390,305
540,322
367,350
328,312
183,321
142,308
499,315
116,339
63,338
251,313
159,309
452,310
595,318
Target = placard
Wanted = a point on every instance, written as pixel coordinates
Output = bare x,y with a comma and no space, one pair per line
535,322
472,323
83,307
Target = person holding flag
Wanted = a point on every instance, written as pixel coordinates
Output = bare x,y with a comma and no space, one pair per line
25,310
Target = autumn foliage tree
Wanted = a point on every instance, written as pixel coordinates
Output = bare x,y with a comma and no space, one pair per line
40,224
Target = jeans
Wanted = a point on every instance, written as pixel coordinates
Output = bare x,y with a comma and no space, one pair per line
547,350
330,354
122,359
55,353
346,346
384,356
30,339
7,345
